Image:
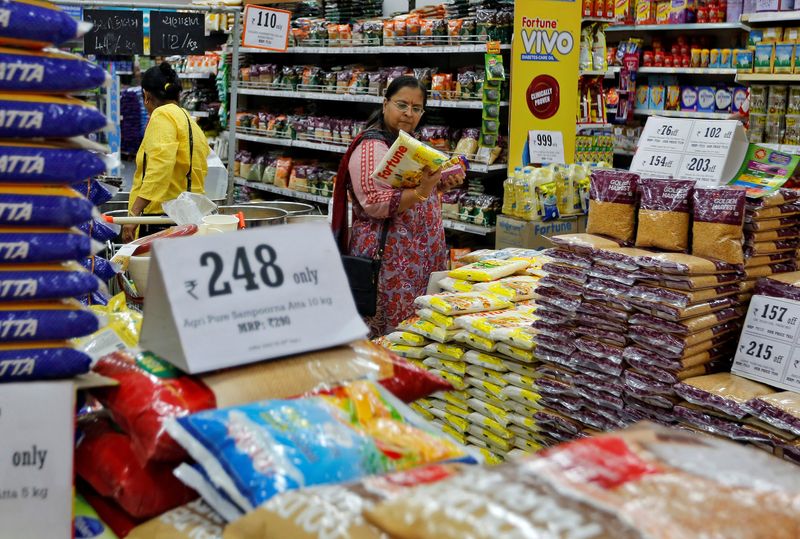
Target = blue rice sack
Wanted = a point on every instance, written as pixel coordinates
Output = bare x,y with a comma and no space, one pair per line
44,116
56,206
47,72
103,268
33,24
45,321
100,230
20,282
41,361
35,245
41,163
97,192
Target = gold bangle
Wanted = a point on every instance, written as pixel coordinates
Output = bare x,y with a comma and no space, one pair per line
419,197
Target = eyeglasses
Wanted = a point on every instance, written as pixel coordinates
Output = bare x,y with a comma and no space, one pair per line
402,106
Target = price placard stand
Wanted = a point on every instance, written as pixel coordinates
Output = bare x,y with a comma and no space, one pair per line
546,147
769,347
221,301
708,151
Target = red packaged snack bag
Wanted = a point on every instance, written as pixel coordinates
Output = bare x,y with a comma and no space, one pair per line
112,515
105,459
150,391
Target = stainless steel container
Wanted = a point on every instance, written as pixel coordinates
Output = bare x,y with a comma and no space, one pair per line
292,208
256,216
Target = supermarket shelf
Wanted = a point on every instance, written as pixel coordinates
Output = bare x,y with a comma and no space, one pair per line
436,49
687,71
771,16
678,27
627,153
598,19
195,75
200,113
355,98
337,148
687,114
767,77
593,73
282,191
460,226
582,127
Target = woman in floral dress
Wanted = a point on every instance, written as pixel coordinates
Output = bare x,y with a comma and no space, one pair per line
415,244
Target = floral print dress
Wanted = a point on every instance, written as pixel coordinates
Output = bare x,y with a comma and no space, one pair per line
415,245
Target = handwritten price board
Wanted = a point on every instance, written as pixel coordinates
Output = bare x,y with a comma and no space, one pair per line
114,33
176,33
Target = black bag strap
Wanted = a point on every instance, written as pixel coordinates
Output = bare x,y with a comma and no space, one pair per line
191,152
384,237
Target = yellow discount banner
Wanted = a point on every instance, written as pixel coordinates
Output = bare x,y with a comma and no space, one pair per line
544,82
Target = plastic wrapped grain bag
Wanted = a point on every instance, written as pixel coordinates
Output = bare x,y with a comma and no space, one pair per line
441,320
46,163
405,337
33,116
403,163
21,362
46,281
725,392
488,270
47,72
100,230
515,288
781,410
45,321
426,329
35,245
309,441
34,24
463,303
104,269
47,206
455,285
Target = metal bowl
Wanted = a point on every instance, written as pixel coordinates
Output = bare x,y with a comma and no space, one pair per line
256,216
307,219
292,208
120,202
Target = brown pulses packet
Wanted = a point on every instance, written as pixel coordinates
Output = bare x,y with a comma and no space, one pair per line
781,410
785,285
612,204
725,392
583,243
771,235
677,346
775,212
766,271
677,314
718,219
684,264
644,296
664,214
770,224
766,260
698,282
689,326
778,198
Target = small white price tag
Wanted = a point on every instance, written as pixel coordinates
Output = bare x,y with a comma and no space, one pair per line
546,146
266,28
712,137
222,301
657,164
701,167
37,432
669,134
768,349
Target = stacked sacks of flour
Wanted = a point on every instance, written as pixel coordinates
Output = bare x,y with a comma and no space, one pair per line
40,246
771,235
475,336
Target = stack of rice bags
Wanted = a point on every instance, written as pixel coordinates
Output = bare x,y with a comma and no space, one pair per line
745,410
481,345
39,244
771,235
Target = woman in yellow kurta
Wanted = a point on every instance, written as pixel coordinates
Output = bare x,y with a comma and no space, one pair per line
173,145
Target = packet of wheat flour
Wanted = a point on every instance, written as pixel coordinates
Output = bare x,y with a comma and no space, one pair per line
768,260
691,282
771,235
45,281
766,271
40,205
35,245
42,116
774,212
717,231
714,422
45,321
48,72
33,24
402,165
462,303
44,360
26,162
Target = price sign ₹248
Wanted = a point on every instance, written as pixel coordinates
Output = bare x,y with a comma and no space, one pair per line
268,271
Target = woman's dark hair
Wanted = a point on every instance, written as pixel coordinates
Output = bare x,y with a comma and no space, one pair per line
162,82
376,118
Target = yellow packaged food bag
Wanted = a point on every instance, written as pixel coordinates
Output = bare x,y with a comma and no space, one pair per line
487,375
527,445
427,329
492,441
458,423
486,324
523,369
449,352
483,395
524,382
496,413
487,361
528,306
476,341
516,353
441,320
491,459
522,396
490,389
421,411
403,163
462,303
455,380
456,285
456,367
514,288
523,422
405,337
408,352
491,425
460,437
457,398
488,270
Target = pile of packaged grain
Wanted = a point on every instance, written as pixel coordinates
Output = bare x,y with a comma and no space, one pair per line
476,335
771,236
48,227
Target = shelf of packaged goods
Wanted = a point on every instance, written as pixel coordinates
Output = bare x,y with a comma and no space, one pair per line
265,140
771,17
598,19
626,153
687,114
400,49
354,98
584,127
679,27
686,71
767,77
195,75
484,168
593,73
460,226
291,193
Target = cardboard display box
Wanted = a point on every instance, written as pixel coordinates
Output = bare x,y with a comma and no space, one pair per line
533,234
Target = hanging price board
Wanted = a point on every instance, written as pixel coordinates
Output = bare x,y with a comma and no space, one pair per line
546,147
266,28
221,301
37,428
709,151
114,32
177,33
768,349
